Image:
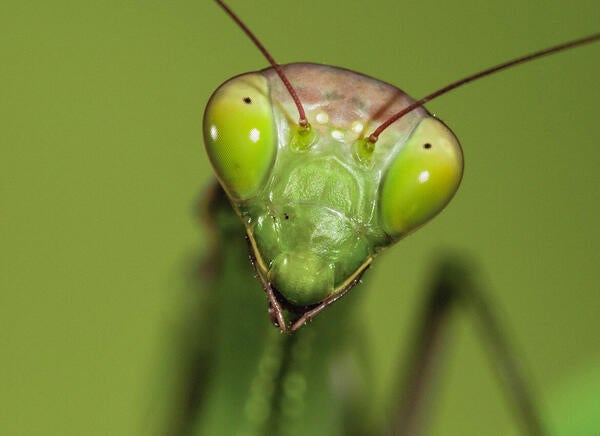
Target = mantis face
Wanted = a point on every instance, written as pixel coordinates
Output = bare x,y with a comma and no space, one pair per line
317,205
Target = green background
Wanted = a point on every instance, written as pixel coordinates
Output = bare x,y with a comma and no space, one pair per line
102,165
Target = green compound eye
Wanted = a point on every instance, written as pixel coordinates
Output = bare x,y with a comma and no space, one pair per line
239,134
422,178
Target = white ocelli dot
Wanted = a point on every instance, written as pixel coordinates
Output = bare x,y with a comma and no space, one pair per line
337,134
357,127
322,118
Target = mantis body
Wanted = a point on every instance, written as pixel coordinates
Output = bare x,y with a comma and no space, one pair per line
269,344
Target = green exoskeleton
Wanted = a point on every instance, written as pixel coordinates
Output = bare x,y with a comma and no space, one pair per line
320,169
318,206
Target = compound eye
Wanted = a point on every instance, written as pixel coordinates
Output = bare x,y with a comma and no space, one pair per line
421,179
239,134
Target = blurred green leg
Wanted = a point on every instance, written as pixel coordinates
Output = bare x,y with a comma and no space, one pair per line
454,285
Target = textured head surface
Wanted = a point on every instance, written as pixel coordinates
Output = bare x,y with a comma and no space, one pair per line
316,215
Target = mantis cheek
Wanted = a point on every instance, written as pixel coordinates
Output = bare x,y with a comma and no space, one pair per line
239,134
421,179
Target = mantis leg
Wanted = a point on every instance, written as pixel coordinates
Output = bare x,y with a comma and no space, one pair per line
195,346
454,286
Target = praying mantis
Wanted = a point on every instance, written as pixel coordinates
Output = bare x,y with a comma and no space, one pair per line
502,221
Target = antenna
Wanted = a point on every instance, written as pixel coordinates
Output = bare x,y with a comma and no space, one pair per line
302,121
520,60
